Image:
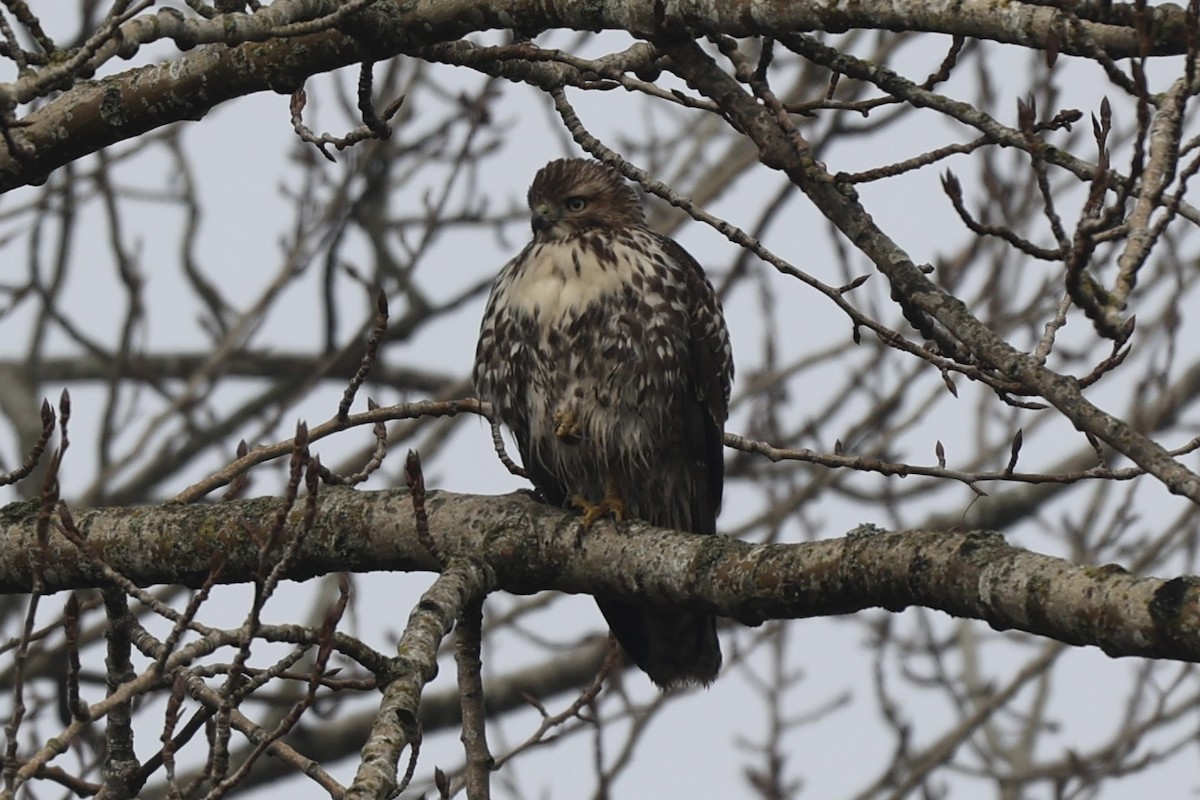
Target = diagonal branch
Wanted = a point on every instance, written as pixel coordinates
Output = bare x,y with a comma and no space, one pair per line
396,726
925,304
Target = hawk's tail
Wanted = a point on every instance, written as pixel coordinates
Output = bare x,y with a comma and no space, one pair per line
672,646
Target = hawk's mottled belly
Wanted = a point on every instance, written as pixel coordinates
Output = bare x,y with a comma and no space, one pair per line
597,329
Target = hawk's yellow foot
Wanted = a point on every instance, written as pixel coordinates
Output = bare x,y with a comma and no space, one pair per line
610,506
567,427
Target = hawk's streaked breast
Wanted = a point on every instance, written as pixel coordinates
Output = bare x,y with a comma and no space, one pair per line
558,280
597,332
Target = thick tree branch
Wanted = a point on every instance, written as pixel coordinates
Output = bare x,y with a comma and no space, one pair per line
240,54
395,727
531,547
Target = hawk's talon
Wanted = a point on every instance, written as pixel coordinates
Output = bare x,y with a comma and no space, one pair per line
610,506
567,427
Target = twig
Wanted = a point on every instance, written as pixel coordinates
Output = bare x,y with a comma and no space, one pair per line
378,331
35,453
414,479
468,641
423,408
120,761
502,451
374,125
48,502
374,461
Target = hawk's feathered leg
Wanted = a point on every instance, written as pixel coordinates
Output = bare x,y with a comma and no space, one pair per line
566,426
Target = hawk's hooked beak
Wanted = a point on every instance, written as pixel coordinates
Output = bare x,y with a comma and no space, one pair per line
543,218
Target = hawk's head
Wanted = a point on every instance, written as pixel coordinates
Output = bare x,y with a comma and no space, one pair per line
572,196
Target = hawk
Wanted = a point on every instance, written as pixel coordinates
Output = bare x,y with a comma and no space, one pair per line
604,350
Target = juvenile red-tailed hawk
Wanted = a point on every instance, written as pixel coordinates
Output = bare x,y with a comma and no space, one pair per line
604,350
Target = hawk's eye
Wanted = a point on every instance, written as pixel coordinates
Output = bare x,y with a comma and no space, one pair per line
576,204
